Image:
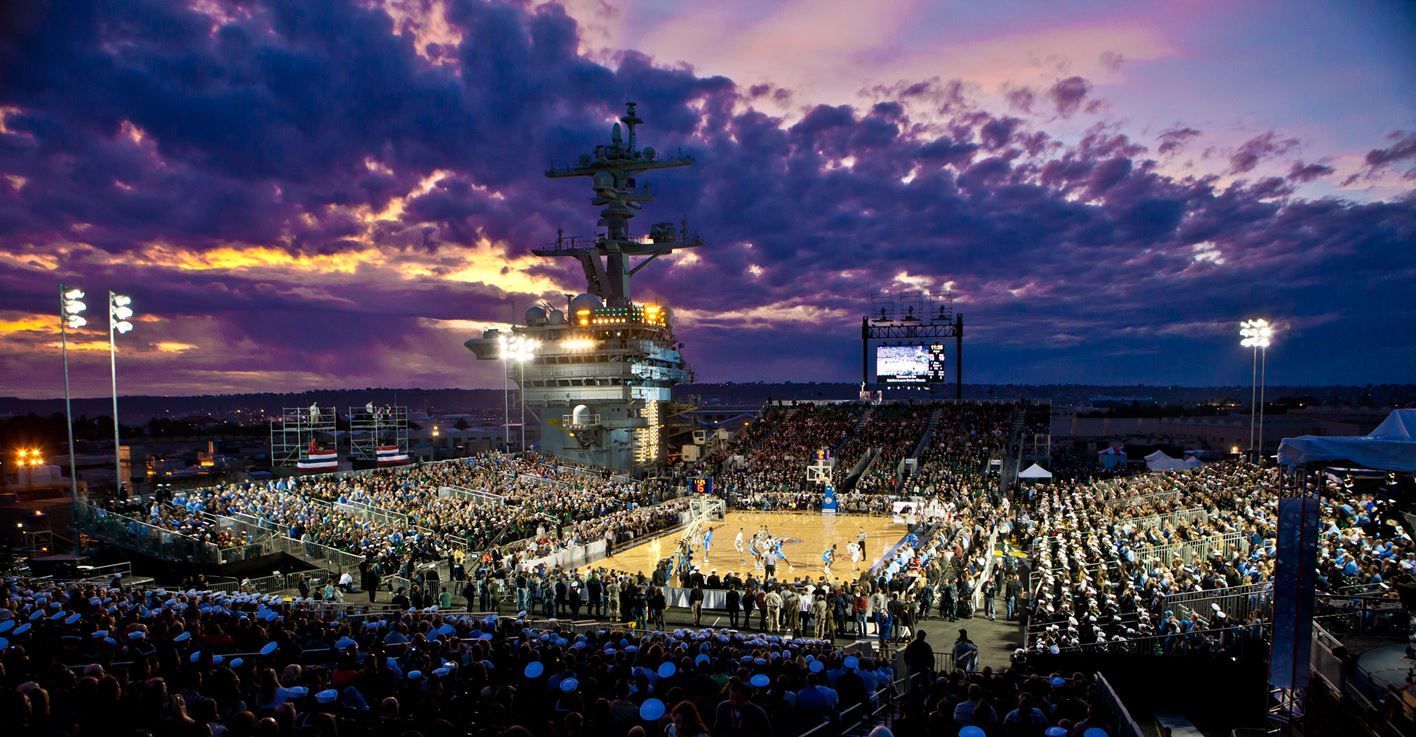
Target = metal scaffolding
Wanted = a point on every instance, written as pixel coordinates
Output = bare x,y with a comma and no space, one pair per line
372,427
298,431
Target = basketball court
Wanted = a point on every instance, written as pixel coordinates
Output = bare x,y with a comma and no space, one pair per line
808,533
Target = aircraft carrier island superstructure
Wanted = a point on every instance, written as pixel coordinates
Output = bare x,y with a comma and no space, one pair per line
599,373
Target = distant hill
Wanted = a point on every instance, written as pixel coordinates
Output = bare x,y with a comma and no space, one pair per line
140,408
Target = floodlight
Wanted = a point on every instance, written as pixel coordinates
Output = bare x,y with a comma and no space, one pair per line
123,327
76,322
120,300
74,307
1255,333
122,313
74,294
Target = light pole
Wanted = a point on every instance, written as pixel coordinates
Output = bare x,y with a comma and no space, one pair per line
70,318
521,349
503,346
119,311
1257,334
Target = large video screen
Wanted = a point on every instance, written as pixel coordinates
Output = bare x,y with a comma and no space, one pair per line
909,364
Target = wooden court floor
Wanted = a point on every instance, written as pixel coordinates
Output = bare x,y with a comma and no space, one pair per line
815,532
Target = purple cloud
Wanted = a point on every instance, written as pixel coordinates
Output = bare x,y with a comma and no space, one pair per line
1069,94
340,208
1258,148
1302,172
1113,60
1172,140
1377,160
1021,99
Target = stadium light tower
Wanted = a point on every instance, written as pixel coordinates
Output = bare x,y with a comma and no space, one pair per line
522,349
71,308
503,352
120,310
1257,334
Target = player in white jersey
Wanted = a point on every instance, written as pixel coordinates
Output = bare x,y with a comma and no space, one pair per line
738,544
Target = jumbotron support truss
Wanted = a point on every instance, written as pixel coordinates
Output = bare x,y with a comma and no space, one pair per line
915,317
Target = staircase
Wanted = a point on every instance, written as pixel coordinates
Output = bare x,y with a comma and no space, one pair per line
1013,451
920,448
854,475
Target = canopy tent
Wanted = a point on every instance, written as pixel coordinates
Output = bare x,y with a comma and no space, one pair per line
1111,458
1159,461
1035,472
1390,447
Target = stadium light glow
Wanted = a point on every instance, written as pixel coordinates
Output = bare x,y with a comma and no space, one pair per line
71,308
120,310
1257,334
576,345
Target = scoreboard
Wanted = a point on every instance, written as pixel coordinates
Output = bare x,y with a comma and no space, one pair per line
915,364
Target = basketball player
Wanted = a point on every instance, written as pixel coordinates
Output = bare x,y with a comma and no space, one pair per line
707,542
860,540
737,544
779,555
856,557
827,558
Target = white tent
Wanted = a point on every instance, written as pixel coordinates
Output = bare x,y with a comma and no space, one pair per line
1159,461
1035,472
1390,447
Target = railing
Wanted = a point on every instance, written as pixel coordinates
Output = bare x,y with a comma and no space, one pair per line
1188,515
149,539
1175,643
1365,615
105,573
1327,663
1190,551
856,714
1122,724
384,517
1237,602
476,496
990,543
1129,501
333,559
272,584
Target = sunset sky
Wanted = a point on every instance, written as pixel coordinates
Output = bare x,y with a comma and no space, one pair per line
305,194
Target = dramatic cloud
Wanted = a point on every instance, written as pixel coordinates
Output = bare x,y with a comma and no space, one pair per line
1259,148
1378,160
1069,94
1173,140
332,193
1301,172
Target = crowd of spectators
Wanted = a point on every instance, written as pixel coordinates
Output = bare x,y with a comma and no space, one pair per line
98,660
772,453
967,436
893,430
1109,554
528,505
